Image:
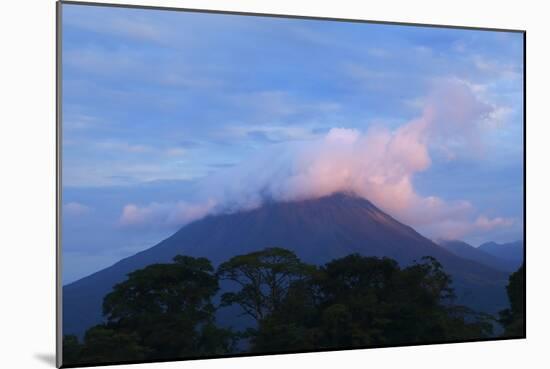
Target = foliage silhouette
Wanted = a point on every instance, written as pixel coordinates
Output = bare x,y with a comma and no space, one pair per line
165,311
264,277
513,319
366,301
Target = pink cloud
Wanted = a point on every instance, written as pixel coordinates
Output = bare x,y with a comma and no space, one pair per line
379,165
163,214
487,224
461,226
75,209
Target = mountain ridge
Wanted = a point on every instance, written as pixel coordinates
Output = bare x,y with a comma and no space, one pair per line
512,252
467,251
317,230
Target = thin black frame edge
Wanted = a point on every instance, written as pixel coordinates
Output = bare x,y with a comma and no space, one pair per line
290,352
59,289
525,183
292,16
58,188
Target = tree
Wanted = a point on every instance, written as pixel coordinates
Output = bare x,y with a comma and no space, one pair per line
367,301
162,311
71,349
513,319
184,287
356,300
264,279
165,311
427,311
294,324
106,345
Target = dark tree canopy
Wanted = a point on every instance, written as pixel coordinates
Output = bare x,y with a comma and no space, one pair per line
71,349
363,301
104,344
184,286
513,319
162,311
165,311
264,278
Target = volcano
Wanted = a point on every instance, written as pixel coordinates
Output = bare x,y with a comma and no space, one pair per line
317,230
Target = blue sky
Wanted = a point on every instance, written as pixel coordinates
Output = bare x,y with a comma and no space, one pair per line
156,103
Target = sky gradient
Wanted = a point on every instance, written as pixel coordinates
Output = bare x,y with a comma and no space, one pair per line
169,116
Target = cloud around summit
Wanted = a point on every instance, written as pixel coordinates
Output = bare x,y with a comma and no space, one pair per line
378,164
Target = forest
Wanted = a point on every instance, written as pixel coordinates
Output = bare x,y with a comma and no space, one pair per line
169,311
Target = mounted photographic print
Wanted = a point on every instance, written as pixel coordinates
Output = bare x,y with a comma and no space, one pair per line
236,184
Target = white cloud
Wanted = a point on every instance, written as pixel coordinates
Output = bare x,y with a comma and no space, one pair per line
497,68
486,224
124,147
278,105
102,61
175,151
75,209
79,121
273,133
163,214
134,27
